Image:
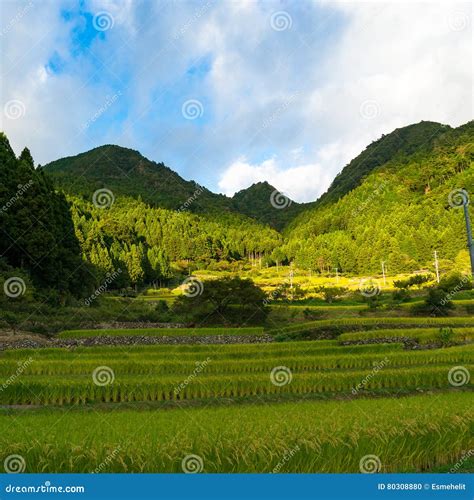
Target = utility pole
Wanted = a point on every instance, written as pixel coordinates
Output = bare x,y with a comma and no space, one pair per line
383,273
436,265
470,244
337,276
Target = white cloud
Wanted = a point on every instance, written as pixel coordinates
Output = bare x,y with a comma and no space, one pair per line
292,97
299,182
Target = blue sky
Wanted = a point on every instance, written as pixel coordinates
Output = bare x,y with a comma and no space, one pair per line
231,92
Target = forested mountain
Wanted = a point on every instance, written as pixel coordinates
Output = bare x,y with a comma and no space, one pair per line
126,172
400,213
264,203
400,143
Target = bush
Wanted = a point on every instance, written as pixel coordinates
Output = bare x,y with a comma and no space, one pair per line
446,336
436,303
417,279
401,295
331,293
225,300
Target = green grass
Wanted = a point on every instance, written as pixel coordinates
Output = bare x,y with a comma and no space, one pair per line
159,332
407,434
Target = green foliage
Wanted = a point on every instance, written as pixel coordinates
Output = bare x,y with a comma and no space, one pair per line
446,336
37,230
228,300
437,303
416,279
402,295
331,293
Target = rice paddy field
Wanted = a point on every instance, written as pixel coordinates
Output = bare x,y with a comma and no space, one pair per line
358,402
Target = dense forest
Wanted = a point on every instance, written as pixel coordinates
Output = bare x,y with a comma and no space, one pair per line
400,214
391,204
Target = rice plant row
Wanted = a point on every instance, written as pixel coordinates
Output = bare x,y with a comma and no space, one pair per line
411,434
215,364
361,323
59,390
232,351
420,334
159,332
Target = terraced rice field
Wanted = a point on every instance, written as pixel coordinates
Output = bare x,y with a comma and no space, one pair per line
145,408
408,434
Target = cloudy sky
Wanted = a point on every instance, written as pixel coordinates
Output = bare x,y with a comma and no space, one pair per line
232,92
